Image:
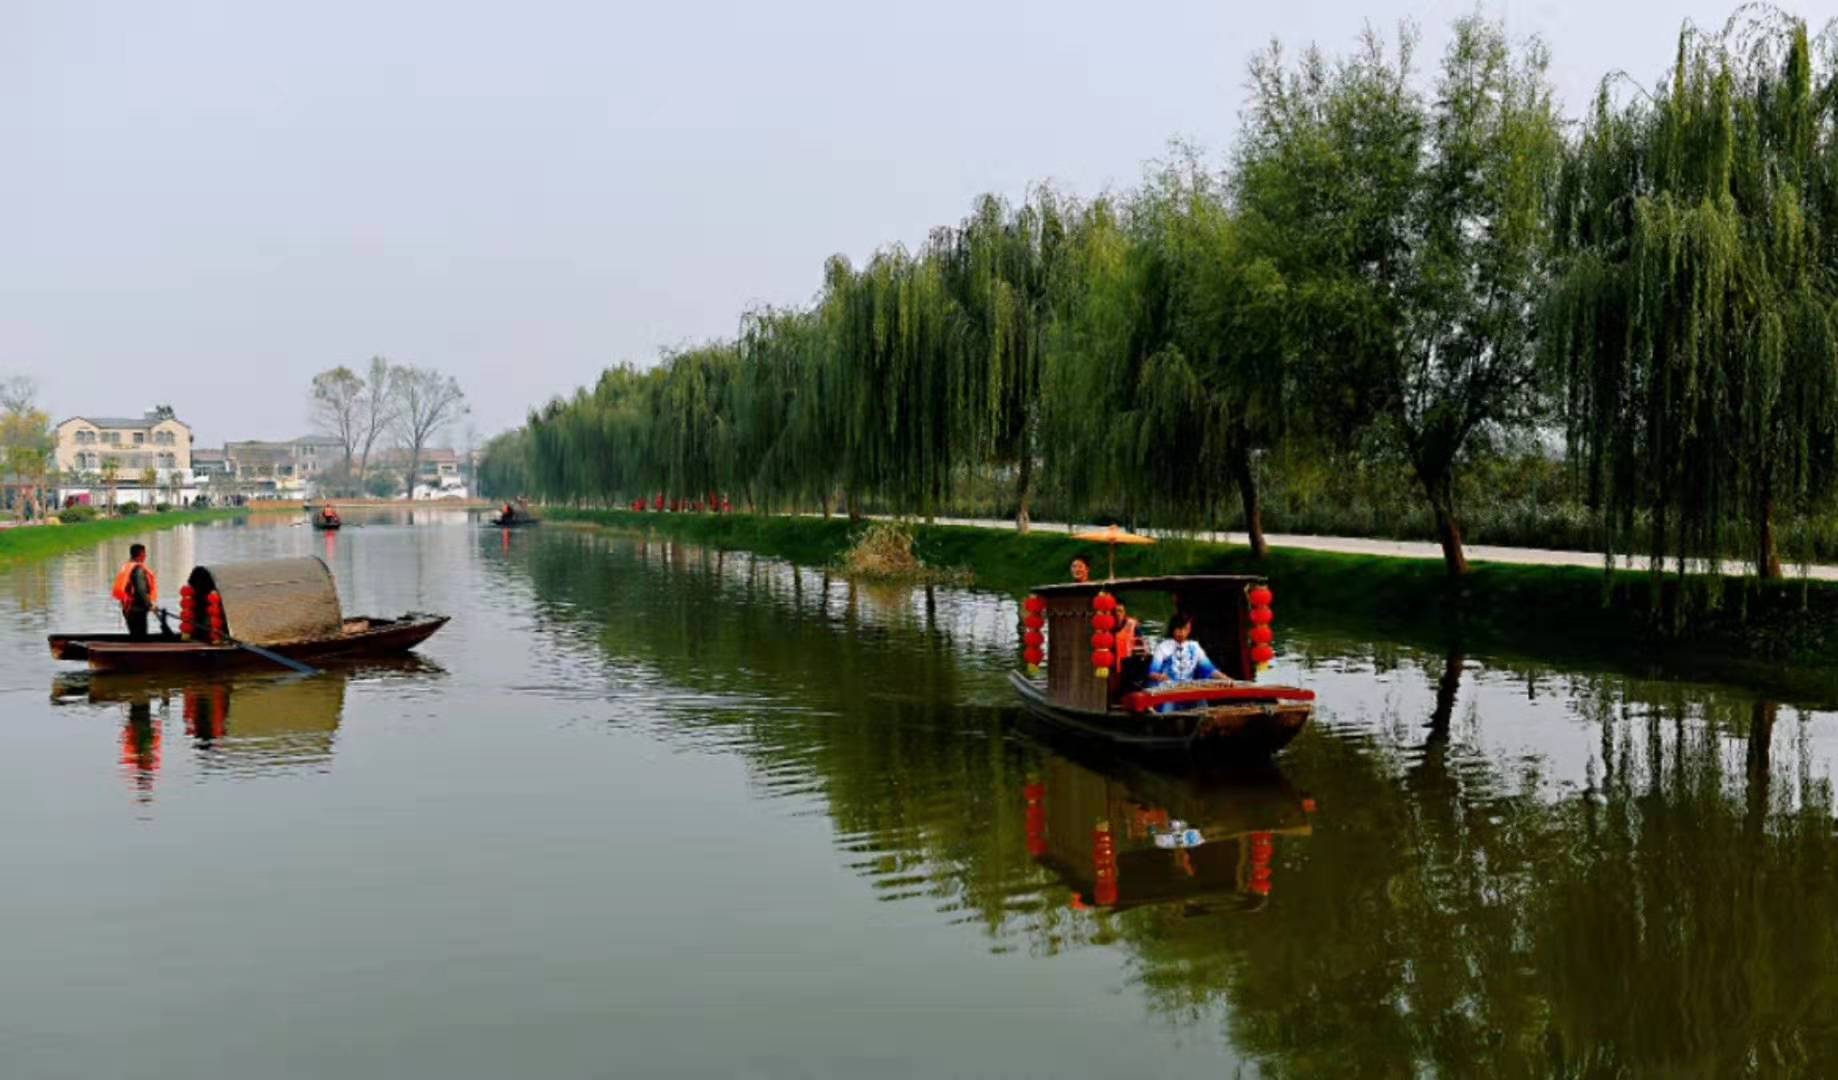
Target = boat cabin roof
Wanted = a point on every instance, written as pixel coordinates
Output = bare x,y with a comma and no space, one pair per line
1163,583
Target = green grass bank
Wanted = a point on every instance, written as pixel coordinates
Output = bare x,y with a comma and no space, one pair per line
1779,636
27,542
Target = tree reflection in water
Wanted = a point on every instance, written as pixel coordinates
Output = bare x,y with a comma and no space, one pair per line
1662,908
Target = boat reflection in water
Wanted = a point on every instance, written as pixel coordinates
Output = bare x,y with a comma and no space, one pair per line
1127,838
243,724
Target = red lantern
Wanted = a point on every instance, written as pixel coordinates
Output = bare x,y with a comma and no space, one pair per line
1033,622
1101,659
1104,602
1261,616
1263,654
1102,640
1262,635
1261,596
1034,656
1034,605
1102,623
1034,638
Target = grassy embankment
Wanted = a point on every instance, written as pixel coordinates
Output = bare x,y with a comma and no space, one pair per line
38,541
1776,635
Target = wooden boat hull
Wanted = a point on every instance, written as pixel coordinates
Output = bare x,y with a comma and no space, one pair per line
494,523
1246,730
324,526
362,638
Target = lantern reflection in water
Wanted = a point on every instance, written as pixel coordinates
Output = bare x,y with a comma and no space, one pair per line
1136,837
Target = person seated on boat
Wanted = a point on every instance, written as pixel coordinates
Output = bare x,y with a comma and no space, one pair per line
329,516
1081,568
506,515
1179,658
1131,671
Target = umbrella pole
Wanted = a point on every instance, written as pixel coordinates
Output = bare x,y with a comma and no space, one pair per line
1113,562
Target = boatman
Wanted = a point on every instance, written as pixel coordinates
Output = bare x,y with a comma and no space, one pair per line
136,590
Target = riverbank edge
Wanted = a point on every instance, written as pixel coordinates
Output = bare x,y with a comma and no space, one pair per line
24,543
1781,635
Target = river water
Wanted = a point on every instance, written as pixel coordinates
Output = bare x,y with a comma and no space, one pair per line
645,809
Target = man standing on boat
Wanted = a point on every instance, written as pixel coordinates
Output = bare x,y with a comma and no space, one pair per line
136,590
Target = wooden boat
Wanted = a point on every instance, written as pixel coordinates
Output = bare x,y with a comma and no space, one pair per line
1231,717
517,519
287,606
324,520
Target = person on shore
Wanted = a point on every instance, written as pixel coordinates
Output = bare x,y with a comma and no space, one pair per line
1081,568
136,590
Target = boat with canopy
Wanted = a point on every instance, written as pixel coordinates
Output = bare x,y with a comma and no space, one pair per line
237,614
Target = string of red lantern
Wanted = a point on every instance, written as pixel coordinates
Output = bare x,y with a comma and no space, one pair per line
1262,651
1034,638
1101,639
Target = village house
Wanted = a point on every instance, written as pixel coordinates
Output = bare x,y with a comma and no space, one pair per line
91,449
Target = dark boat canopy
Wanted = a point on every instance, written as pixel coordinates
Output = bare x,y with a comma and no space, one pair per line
274,600
1167,583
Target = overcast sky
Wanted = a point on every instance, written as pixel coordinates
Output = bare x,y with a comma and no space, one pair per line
207,201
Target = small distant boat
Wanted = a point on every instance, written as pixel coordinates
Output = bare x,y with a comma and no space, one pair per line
284,606
1233,716
513,517
326,518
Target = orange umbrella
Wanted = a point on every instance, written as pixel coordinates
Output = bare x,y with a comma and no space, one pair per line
1113,536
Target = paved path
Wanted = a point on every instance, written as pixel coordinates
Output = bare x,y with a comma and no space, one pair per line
1411,549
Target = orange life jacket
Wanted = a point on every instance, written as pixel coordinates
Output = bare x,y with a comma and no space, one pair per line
121,584
1126,639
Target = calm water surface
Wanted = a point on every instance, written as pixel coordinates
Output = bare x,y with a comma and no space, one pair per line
650,810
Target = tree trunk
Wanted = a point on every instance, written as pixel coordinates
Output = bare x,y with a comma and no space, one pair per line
1439,486
1253,502
854,508
1767,555
1022,486
825,503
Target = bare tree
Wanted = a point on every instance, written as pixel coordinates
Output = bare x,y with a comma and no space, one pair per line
426,402
338,407
18,394
376,413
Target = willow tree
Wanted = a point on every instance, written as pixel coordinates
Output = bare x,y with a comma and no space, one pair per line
784,430
1413,232
1212,329
1695,317
999,267
1088,401
889,368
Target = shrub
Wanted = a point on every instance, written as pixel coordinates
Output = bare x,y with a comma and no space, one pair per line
74,514
129,507
884,552
161,508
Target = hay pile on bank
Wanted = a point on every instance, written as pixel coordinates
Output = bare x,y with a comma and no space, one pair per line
884,552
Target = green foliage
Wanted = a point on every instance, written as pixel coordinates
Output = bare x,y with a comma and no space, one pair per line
81,528
129,507
1694,302
382,484
162,507
1399,283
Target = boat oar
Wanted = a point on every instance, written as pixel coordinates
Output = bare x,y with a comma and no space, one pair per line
266,654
